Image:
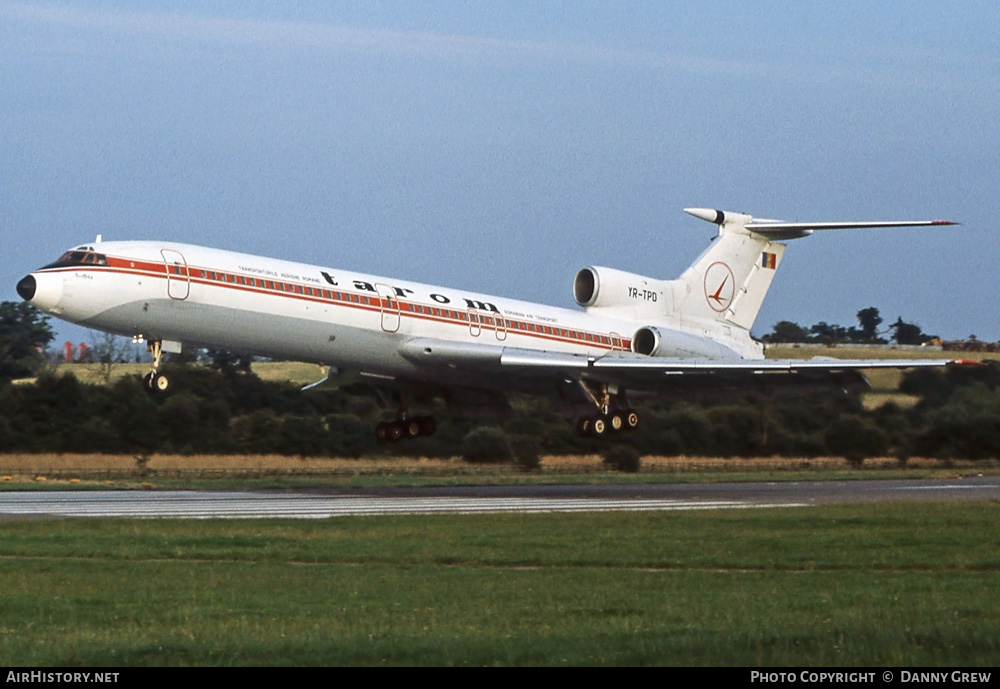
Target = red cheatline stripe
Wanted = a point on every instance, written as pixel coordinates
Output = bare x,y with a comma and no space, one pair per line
364,303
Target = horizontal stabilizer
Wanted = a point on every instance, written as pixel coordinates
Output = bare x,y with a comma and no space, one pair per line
792,230
769,225
778,229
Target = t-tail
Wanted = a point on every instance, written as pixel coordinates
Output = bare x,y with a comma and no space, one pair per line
726,285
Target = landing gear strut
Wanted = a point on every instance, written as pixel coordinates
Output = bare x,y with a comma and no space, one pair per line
613,413
156,382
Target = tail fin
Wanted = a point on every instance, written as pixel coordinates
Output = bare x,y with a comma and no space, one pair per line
727,284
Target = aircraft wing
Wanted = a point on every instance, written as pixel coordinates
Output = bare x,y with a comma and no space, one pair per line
644,364
682,376
649,373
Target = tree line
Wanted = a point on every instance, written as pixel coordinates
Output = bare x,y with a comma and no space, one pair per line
231,411
866,332
222,407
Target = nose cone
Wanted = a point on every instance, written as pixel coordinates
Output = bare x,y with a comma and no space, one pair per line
26,287
44,290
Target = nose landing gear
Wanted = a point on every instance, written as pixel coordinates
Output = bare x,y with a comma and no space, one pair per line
156,382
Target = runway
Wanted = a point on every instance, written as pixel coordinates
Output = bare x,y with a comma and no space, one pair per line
322,504
233,505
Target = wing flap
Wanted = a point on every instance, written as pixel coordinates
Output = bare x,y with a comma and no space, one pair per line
757,366
682,378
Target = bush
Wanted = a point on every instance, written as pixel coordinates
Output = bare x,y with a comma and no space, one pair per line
259,432
622,458
349,436
527,452
967,426
739,430
854,438
304,436
486,445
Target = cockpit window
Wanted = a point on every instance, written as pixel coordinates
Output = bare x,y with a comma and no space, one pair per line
77,257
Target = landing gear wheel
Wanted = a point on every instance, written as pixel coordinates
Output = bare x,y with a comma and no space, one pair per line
405,429
396,432
598,426
616,421
584,426
155,382
631,420
160,382
387,432
411,428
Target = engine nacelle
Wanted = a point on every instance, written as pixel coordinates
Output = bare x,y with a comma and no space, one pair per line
662,342
646,341
601,287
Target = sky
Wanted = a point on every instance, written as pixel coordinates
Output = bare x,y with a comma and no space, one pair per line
499,147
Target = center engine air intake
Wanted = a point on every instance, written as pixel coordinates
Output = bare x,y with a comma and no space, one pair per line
585,287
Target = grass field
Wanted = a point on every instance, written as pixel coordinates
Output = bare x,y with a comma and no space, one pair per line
886,352
866,585
292,371
88,471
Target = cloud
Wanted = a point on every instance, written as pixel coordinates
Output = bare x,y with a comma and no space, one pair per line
295,35
771,58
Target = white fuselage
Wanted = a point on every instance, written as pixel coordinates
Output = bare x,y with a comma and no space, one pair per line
253,305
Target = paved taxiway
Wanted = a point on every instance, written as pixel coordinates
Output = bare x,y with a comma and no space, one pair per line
318,504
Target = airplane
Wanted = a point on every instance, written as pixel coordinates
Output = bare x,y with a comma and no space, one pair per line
635,336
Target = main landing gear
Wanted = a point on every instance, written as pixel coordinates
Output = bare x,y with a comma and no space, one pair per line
405,429
156,382
613,413
607,422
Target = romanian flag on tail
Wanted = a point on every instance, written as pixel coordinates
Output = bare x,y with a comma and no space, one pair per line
768,260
